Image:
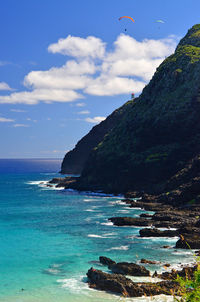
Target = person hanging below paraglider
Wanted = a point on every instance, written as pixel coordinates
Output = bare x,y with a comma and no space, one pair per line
132,96
128,18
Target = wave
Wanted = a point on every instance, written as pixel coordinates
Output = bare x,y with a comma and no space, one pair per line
96,236
74,284
107,223
121,248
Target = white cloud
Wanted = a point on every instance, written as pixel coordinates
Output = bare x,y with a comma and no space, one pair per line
84,112
80,104
70,76
6,120
126,68
17,110
20,125
5,86
79,47
45,95
95,120
105,85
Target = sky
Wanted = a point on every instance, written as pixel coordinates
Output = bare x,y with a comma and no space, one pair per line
66,65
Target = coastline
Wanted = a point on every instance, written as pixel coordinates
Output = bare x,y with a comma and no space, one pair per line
158,228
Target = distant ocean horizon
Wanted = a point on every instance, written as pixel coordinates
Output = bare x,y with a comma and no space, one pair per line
50,237
26,165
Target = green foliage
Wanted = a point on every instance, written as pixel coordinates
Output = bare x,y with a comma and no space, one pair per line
190,287
191,51
192,201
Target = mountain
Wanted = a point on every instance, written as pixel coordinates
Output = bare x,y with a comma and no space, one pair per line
158,133
75,159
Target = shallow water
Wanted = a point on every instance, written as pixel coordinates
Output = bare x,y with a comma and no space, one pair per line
50,238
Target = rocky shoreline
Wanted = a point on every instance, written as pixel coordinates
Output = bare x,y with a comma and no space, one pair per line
186,222
181,221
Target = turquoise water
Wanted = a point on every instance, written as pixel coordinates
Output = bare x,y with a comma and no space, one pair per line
50,238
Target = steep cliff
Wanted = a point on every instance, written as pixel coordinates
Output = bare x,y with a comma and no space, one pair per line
75,159
158,133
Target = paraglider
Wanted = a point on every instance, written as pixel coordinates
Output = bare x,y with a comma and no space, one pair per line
160,21
126,17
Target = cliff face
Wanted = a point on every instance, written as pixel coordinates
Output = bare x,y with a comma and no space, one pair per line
158,133
75,159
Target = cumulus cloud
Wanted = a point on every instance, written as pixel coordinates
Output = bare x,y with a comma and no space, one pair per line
95,120
79,47
6,120
45,95
126,67
5,86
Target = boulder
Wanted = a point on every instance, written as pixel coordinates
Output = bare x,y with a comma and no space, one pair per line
129,221
106,261
157,233
132,269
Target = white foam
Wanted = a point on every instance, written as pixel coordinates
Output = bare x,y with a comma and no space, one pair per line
96,236
51,271
116,202
159,238
122,247
123,211
108,223
38,182
89,210
144,279
43,184
73,284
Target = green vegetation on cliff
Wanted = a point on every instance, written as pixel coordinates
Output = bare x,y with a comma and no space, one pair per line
158,133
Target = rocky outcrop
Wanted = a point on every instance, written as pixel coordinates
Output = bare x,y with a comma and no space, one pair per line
157,233
131,269
129,221
106,261
116,283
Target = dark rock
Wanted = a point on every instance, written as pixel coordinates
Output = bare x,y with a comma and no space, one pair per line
192,242
149,261
129,221
146,215
120,284
131,269
114,283
106,261
157,233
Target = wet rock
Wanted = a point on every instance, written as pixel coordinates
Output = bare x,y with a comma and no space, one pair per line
191,242
157,233
106,261
114,283
149,261
131,269
120,284
146,215
129,221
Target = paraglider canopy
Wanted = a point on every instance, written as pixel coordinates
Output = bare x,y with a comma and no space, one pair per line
126,17
160,21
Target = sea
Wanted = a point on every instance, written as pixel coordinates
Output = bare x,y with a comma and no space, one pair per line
50,237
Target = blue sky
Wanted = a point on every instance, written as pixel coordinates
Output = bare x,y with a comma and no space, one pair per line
66,65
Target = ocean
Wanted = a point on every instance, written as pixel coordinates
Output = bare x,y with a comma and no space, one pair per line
49,238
